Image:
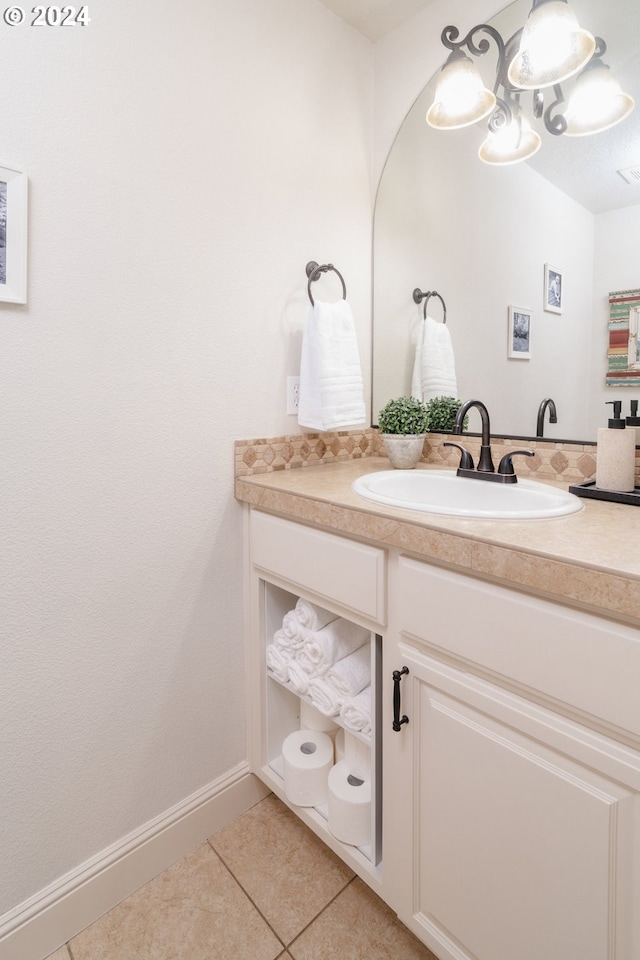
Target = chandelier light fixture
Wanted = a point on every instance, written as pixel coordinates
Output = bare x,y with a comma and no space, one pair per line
548,50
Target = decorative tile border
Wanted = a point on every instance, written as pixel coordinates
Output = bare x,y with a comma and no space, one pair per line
553,460
301,450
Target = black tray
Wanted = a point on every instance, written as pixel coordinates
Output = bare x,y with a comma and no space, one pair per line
590,490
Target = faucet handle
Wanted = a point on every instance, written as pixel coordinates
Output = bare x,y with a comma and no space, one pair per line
505,467
466,460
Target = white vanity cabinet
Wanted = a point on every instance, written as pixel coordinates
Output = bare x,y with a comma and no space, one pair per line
506,820
517,826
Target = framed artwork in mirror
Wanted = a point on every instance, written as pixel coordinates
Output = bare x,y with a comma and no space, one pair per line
13,235
552,289
519,342
633,349
623,353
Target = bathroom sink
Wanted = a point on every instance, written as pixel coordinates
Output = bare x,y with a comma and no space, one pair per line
441,491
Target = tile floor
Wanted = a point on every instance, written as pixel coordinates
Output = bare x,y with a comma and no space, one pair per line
262,888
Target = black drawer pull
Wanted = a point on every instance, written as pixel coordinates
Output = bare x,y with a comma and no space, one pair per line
397,722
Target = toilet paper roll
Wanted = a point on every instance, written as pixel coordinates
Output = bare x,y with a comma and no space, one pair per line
339,745
357,756
312,719
307,757
349,806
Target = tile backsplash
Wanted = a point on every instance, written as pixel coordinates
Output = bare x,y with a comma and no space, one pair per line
301,450
554,459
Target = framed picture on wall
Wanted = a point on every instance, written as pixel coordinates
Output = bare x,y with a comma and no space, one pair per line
552,289
13,235
519,343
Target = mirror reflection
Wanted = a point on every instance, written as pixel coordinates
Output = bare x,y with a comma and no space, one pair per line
491,239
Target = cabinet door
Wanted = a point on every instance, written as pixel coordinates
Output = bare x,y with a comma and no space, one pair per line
517,831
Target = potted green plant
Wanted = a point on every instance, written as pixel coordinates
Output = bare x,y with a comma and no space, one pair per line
403,424
442,413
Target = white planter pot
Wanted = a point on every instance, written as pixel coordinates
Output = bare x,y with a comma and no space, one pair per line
404,450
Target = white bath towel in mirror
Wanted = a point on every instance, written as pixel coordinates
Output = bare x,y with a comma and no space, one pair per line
434,369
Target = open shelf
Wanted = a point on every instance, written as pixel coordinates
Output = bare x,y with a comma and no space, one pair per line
282,706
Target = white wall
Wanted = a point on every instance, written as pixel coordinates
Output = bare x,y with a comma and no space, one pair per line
184,165
616,267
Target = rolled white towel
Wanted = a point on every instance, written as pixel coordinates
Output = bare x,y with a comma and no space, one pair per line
278,662
334,642
351,674
305,664
356,712
298,676
324,696
311,616
292,633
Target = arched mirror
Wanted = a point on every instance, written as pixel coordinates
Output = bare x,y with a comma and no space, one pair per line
483,235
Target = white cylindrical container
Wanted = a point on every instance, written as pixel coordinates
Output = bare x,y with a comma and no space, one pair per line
616,460
349,806
307,757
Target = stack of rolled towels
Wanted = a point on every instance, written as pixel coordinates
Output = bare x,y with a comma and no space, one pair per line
324,764
325,658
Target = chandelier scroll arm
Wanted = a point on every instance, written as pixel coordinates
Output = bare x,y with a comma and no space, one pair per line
555,124
450,34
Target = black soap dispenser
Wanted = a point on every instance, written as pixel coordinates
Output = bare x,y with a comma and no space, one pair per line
634,420
616,454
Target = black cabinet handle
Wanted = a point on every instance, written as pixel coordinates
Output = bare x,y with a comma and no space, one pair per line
397,722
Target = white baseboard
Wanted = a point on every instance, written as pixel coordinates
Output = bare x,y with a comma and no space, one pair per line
36,928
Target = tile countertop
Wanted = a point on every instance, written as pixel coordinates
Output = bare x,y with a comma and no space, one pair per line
590,559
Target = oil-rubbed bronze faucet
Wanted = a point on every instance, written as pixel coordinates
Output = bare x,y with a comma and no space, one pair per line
485,469
553,416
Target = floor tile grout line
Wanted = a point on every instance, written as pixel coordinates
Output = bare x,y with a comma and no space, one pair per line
306,927
249,897
326,907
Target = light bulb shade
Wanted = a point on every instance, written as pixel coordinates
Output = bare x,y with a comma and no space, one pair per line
553,47
597,102
512,143
461,97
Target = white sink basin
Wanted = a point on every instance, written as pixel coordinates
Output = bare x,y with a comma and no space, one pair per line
441,491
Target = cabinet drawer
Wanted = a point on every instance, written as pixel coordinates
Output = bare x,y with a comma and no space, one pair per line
349,573
585,661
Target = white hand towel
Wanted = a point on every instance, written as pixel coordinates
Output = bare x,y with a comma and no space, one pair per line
434,369
324,696
278,661
335,641
351,674
311,616
331,388
355,712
